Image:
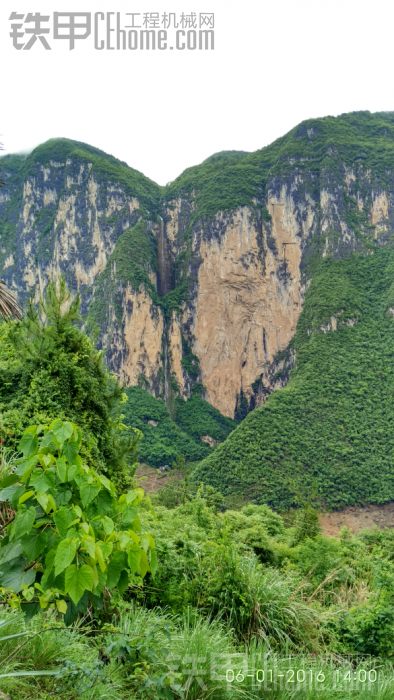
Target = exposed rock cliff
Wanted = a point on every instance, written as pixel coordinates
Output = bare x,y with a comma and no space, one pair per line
204,281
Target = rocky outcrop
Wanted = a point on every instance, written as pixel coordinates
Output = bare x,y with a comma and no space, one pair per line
180,291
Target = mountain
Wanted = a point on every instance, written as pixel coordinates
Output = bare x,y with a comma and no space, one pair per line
249,273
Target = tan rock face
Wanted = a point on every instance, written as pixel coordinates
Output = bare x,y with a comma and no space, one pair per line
379,212
175,352
248,301
143,332
69,228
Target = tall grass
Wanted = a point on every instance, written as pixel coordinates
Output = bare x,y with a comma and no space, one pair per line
45,648
277,614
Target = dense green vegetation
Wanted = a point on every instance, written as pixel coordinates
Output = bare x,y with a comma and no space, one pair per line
198,418
163,443
130,601
233,179
49,369
134,256
105,166
70,518
240,591
333,423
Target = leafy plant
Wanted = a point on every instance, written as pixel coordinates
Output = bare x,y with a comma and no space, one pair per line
70,535
50,370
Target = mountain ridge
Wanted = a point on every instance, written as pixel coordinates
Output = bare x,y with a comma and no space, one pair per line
235,242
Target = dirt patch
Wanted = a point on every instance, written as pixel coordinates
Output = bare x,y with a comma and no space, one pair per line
151,480
357,518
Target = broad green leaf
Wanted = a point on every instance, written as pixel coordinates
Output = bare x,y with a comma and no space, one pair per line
152,543
47,460
9,481
144,564
7,494
134,558
134,537
106,548
56,424
124,539
14,577
9,552
116,565
144,543
77,511
26,467
49,562
104,502
78,437
123,582
23,522
108,525
136,524
43,500
129,514
102,579
78,580
107,484
72,472
61,470
43,480
51,504
44,599
95,575
61,606
88,492
131,496
62,519
63,496
70,451
89,544
98,555
28,444
14,499
25,497
50,559
34,543
42,521
62,433
153,561
65,554
48,438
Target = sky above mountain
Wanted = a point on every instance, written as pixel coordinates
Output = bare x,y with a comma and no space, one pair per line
273,65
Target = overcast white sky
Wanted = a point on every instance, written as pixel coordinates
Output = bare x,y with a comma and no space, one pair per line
275,63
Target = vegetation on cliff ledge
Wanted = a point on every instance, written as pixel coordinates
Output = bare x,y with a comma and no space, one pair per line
332,425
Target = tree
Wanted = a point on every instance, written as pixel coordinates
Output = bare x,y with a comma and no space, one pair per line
50,369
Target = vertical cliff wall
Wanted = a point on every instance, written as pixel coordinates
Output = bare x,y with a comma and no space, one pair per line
204,281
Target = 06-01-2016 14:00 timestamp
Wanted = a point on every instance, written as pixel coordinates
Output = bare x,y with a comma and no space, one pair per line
350,678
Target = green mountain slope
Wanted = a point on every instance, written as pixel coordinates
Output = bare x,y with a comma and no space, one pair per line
163,438
232,179
332,426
